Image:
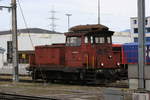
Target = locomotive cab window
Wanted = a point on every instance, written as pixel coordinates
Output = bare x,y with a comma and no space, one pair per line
73,41
92,40
99,40
108,40
86,39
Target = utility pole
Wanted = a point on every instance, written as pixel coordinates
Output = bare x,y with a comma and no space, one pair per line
98,11
68,15
14,41
141,39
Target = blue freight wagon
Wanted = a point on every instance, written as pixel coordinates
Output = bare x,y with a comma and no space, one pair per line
131,53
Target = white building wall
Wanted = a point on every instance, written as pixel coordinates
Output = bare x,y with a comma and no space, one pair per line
3,43
1,57
1,60
24,41
122,37
39,39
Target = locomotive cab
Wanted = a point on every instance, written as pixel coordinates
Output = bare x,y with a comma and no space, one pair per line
90,47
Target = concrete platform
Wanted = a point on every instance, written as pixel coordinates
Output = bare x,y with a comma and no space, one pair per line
8,69
133,76
133,83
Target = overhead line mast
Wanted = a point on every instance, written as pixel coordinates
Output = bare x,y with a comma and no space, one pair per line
53,18
15,41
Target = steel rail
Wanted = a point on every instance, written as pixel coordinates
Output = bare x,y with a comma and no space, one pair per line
7,96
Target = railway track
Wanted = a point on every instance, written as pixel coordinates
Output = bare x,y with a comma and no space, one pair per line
6,96
7,78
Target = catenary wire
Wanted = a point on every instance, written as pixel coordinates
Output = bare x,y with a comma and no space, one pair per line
25,22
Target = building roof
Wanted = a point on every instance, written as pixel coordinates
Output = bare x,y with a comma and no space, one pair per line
30,30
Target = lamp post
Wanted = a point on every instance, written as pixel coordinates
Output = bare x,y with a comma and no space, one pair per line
68,15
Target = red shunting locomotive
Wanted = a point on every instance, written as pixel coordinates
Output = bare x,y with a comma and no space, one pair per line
87,56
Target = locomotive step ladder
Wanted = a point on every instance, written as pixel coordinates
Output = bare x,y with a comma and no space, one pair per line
90,76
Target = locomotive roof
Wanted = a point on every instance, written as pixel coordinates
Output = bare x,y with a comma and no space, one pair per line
96,29
81,28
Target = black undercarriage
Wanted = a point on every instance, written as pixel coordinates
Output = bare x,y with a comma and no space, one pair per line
78,75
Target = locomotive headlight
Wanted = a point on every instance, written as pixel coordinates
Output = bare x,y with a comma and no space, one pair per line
102,64
110,57
118,63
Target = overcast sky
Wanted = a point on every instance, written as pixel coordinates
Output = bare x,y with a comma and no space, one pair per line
114,13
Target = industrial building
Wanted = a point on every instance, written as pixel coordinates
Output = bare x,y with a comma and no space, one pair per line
122,37
27,40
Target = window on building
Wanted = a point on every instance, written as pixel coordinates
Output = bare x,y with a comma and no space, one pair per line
9,51
135,30
148,30
134,21
146,22
23,58
135,39
147,39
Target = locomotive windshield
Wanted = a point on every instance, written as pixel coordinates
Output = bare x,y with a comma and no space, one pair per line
73,41
98,40
108,39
